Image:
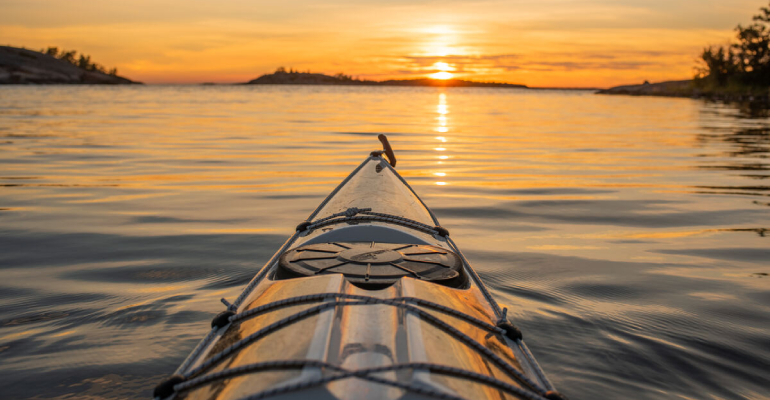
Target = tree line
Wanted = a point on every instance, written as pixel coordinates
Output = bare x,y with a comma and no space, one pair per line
79,60
745,63
341,76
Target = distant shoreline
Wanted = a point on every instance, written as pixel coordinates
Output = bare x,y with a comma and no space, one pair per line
282,77
687,89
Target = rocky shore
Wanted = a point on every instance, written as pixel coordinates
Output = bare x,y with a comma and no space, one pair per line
22,66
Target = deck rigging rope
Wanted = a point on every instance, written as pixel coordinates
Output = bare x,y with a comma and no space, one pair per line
361,373
354,214
361,300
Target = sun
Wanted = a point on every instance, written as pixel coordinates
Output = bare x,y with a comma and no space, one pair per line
442,66
443,75
442,71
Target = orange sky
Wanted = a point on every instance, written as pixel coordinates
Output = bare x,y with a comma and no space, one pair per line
552,43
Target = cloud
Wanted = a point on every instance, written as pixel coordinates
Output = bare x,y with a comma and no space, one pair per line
533,62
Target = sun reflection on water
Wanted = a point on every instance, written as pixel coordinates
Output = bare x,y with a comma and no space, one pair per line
442,109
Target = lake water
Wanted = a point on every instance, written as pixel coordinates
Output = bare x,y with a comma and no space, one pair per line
627,236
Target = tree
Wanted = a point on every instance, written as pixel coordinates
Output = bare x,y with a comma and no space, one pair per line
719,65
341,76
68,56
746,62
84,62
52,51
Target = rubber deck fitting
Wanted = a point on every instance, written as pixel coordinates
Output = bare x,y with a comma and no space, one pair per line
441,231
222,319
511,331
303,226
166,388
554,395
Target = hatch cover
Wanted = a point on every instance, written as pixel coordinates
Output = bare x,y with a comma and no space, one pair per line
372,265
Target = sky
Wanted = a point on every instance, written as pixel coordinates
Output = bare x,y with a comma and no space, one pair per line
543,43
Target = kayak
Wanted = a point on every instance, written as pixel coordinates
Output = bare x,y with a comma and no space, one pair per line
369,298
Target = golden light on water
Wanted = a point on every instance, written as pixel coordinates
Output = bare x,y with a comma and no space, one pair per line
442,109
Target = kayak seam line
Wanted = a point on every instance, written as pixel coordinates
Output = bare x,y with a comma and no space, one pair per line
535,365
234,306
501,315
401,178
477,279
254,281
196,351
337,189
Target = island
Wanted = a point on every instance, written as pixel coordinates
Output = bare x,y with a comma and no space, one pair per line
24,66
291,77
683,88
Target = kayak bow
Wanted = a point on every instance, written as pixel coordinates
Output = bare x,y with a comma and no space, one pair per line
370,298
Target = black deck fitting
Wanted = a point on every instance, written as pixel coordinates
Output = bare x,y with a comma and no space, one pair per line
441,231
554,395
166,388
303,226
511,331
222,319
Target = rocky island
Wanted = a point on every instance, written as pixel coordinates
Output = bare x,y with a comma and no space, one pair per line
692,88
23,66
291,77
684,88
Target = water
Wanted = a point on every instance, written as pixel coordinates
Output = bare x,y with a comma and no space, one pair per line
627,236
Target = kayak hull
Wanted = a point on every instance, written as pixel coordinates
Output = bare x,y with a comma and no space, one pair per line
317,333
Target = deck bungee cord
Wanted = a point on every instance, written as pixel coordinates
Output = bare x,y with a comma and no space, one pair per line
363,373
195,371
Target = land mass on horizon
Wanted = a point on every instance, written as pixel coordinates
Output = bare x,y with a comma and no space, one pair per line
283,77
24,66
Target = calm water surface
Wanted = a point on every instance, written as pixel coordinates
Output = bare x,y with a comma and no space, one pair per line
627,236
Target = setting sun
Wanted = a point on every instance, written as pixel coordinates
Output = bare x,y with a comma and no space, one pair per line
442,66
441,75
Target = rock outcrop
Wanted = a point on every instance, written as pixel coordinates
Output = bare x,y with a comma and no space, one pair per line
670,88
22,66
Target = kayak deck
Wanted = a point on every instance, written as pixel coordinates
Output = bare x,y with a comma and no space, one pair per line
369,299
